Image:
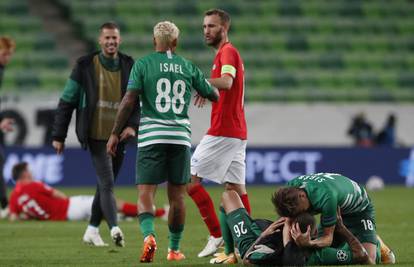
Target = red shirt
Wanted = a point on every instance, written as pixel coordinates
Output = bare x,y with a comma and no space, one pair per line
35,199
227,115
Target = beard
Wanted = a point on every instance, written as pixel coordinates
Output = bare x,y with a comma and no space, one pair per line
216,40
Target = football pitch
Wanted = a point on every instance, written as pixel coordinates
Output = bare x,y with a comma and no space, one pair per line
37,243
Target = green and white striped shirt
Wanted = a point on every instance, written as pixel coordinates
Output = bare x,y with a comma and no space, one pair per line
165,81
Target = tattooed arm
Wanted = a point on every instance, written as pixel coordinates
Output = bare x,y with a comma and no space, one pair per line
124,112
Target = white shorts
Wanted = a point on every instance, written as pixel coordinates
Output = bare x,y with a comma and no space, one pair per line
220,159
80,208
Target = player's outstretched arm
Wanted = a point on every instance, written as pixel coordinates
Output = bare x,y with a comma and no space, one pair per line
274,227
124,112
223,83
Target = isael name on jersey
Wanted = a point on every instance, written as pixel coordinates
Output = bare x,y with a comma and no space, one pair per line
171,67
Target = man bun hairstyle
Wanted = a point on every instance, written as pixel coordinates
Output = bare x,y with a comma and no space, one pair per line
285,201
166,32
18,170
224,16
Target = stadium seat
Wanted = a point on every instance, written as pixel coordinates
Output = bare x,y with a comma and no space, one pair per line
294,49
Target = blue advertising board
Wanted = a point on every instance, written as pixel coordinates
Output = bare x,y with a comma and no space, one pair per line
270,165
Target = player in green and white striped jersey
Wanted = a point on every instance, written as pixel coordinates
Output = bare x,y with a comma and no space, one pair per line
164,81
324,193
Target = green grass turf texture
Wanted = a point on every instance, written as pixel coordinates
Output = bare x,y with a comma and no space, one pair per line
35,243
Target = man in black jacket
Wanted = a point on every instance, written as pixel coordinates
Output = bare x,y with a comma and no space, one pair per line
7,46
95,89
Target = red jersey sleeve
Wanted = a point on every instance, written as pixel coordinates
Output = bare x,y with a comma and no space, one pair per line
228,61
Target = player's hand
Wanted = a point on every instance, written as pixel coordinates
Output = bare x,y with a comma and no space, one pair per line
199,101
59,147
112,145
274,227
301,239
127,133
6,125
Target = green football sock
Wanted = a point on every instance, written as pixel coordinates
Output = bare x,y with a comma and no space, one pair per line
226,233
175,236
146,224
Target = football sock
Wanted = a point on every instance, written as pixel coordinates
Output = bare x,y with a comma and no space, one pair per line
206,207
129,209
146,224
93,228
246,203
175,236
159,212
225,230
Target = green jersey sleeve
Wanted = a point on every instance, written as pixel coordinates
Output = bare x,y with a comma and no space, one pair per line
136,80
329,205
201,85
331,256
71,92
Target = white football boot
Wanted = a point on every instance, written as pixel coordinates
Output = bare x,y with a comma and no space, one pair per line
212,245
92,237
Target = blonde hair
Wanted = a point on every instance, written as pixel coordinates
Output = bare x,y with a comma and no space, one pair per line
166,32
7,43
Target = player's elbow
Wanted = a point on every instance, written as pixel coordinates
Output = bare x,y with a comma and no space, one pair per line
329,240
228,83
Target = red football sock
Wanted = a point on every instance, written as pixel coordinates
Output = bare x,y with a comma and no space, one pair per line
129,209
206,207
159,212
245,199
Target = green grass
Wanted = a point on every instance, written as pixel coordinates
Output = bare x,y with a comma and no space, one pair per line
59,243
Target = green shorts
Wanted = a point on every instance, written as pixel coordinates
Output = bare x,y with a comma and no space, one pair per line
163,162
362,225
243,229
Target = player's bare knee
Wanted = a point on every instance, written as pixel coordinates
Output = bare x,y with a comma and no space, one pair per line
225,196
239,188
231,201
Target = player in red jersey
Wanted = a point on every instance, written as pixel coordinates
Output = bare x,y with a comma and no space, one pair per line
220,156
32,199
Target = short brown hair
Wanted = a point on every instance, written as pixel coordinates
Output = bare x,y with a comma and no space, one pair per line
7,43
285,200
18,169
304,220
224,16
110,25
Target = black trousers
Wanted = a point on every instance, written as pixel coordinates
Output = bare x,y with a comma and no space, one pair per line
3,193
107,169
